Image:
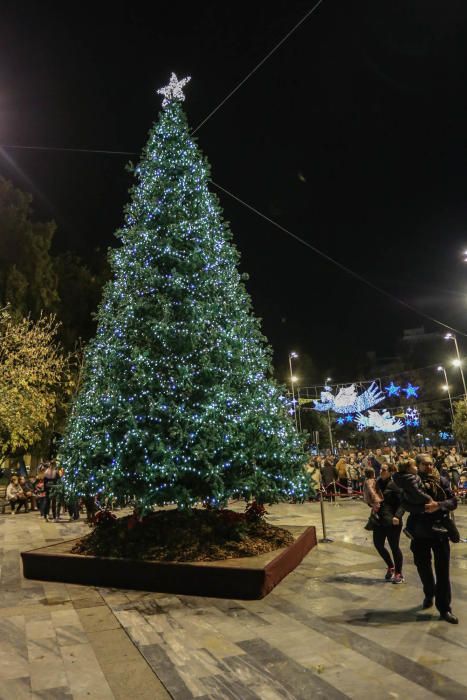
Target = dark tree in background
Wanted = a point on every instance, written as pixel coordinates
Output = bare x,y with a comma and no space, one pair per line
35,279
28,280
177,402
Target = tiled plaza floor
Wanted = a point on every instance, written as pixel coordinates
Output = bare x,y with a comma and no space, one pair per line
331,629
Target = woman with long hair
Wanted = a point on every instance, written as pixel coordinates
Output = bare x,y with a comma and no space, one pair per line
390,524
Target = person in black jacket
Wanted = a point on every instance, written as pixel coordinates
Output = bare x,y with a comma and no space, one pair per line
390,517
430,526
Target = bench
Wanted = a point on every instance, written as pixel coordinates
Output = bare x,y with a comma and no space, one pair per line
4,502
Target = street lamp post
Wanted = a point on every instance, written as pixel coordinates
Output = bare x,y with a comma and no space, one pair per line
292,380
458,363
446,387
328,379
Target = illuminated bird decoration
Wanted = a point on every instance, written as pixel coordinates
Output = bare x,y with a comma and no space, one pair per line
348,401
379,421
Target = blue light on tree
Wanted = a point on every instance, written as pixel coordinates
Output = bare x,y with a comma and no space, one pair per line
348,418
444,435
393,389
411,390
340,421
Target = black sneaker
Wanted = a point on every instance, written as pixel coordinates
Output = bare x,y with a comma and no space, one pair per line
389,573
427,603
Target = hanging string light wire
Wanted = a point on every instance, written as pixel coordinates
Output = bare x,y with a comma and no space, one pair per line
338,264
308,245
273,50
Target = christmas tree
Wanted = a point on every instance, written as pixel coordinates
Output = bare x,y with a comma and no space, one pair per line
176,403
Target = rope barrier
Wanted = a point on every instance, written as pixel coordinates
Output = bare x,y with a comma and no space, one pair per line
337,483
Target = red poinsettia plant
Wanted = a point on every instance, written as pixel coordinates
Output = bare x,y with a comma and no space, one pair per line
104,518
255,511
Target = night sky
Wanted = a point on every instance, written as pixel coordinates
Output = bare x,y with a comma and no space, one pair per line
353,135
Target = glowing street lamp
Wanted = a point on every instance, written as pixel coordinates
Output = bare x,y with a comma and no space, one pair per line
446,388
458,361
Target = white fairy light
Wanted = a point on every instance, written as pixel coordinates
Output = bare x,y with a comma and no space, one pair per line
174,90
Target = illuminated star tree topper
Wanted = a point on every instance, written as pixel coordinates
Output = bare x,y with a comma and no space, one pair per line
174,90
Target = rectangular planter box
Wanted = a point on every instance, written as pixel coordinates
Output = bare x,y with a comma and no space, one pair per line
245,578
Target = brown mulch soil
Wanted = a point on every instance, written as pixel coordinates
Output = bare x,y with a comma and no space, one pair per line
184,535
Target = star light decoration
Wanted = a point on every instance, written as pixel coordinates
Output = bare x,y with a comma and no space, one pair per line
393,389
174,90
344,419
411,390
412,417
444,435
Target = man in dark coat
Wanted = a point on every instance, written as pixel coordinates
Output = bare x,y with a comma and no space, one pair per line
429,527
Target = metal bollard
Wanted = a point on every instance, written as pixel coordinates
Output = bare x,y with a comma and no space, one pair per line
324,539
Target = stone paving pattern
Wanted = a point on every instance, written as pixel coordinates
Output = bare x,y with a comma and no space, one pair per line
332,629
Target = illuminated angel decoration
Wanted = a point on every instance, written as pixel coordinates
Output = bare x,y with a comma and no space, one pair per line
347,400
383,421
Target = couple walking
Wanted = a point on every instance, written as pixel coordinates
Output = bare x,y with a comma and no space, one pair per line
418,488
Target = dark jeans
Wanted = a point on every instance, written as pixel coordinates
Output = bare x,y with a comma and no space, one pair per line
56,506
422,554
392,534
73,510
17,503
40,502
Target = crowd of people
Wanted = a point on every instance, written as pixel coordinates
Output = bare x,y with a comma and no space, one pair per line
344,474
43,493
